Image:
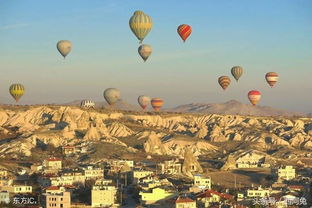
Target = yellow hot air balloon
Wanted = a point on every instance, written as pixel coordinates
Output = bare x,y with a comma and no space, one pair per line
140,24
17,91
64,47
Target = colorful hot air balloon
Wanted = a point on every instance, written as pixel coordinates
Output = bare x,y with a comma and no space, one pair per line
17,91
254,96
87,104
140,24
237,72
111,95
145,51
224,81
271,78
64,47
157,103
184,31
144,101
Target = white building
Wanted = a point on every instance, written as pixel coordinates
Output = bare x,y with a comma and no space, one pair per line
103,196
286,173
258,193
202,182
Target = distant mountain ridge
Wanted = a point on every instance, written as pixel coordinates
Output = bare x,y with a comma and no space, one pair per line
234,107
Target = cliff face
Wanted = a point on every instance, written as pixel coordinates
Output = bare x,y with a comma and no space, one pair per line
162,134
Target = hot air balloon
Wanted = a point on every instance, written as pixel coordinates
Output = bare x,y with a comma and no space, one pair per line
111,95
157,103
17,91
87,104
145,51
237,72
64,47
224,81
184,31
271,78
140,24
144,101
254,96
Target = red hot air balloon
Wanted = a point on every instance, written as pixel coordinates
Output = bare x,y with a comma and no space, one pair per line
254,96
271,78
184,31
157,103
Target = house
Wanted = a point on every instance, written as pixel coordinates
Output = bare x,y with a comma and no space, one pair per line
103,196
210,196
185,202
3,173
240,196
71,178
6,181
4,197
138,174
52,165
17,189
202,182
116,166
258,192
286,173
68,150
155,194
170,167
91,172
56,197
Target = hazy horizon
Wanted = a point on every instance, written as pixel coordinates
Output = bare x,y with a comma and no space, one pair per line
260,36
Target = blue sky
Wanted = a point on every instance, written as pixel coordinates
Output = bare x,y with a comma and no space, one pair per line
261,36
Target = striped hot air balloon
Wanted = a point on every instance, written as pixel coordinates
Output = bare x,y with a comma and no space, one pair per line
144,101
237,72
17,91
224,81
271,78
145,51
254,96
184,31
87,104
140,24
157,103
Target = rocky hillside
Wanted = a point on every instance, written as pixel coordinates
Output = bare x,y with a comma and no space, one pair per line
233,107
164,134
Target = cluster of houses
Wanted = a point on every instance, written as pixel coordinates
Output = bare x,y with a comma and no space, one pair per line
124,183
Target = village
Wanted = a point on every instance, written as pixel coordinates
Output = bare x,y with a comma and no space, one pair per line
174,183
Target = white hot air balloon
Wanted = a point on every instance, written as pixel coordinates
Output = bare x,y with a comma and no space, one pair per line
64,47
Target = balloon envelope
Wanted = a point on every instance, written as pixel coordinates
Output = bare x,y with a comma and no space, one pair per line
271,78
157,103
64,47
140,24
144,101
111,95
145,51
224,81
254,96
237,72
184,31
17,91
